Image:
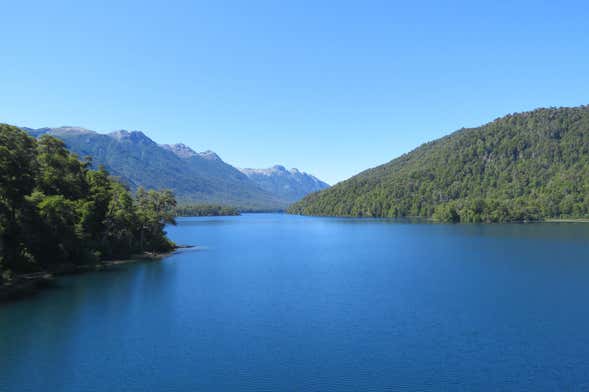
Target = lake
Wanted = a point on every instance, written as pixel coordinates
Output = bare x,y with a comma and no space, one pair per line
272,302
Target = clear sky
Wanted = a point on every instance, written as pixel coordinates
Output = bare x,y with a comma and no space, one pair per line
331,88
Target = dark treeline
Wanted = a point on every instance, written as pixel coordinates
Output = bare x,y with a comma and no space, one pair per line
526,166
206,210
56,213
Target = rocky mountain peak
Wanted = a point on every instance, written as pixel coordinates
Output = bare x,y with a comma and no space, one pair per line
180,149
209,155
130,136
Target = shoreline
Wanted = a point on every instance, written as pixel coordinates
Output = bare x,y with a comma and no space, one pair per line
567,220
25,285
421,219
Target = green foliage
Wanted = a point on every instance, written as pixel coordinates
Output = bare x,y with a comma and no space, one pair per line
55,211
526,166
206,210
154,211
18,167
60,173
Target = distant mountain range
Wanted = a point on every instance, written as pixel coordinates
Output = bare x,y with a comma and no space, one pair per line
290,185
194,177
524,166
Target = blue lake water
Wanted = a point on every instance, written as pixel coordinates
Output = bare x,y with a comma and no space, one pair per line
272,302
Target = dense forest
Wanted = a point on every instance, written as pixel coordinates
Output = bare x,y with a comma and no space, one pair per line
57,213
526,166
206,210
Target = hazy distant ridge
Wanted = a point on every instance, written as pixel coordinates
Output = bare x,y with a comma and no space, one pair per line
195,177
290,185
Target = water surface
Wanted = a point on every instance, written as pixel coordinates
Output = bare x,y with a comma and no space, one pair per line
273,302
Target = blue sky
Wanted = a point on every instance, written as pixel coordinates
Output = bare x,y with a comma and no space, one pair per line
331,88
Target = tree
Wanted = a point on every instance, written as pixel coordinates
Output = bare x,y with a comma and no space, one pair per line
60,173
120,223
155,210
17,179
56,212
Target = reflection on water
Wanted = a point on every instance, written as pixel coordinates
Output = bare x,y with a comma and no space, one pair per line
278,302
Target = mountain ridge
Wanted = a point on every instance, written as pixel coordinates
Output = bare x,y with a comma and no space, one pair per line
137,160
523,166
291,184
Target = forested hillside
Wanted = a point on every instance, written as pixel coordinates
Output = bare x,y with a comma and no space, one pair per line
525,166
55,212
206,210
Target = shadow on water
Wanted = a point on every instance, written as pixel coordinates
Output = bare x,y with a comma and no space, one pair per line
61,319
208,221
60,283
26,295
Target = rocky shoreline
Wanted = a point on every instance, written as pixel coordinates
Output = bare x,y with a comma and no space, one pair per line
24,285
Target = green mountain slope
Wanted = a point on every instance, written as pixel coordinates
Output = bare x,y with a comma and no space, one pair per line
524,166
139,161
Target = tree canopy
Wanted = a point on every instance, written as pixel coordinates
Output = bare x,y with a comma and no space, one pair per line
526,166
55,211
206,210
